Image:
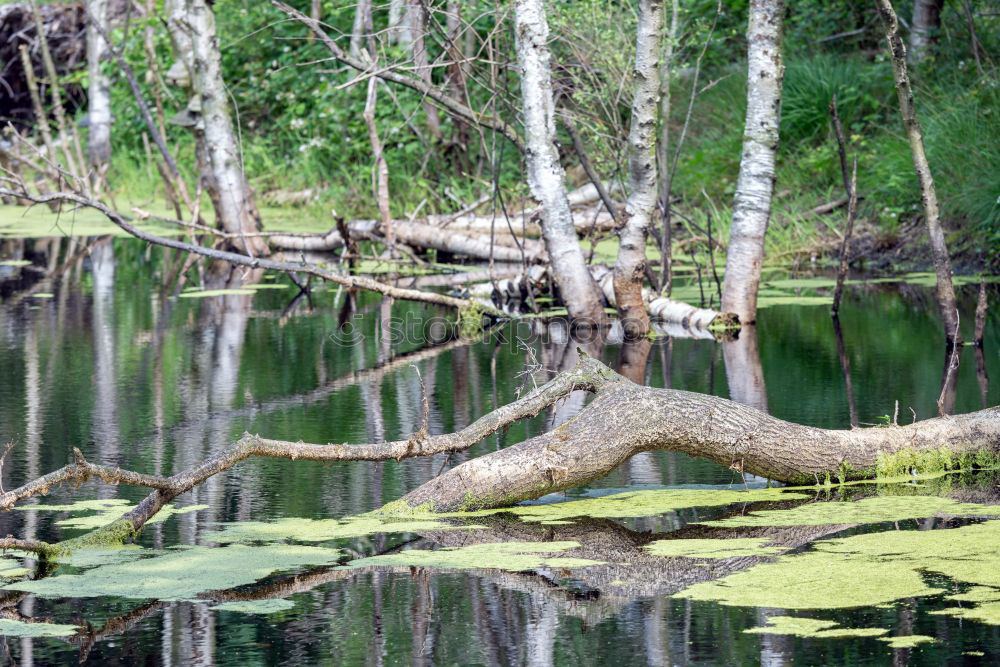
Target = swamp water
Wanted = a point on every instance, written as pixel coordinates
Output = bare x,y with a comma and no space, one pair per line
667,561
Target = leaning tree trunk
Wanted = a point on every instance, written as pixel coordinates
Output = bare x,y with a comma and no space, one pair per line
416,18
755,187
98,93
625,419
192,30
939,249
630,268
545,173
923,29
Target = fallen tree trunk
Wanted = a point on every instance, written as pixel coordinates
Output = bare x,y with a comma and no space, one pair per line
422,236
625,419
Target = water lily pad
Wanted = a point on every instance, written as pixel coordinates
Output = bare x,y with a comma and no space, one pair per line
182,573
11,628
512,556
708,548
811,627
271,606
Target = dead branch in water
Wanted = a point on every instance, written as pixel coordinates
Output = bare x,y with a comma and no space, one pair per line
359,282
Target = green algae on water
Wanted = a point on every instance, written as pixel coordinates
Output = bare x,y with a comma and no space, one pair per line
511,556
891,564
108,510
271,606
204,294
11,628
812,628
709,548
907,641
320,530
181,573
637,504
869,510
988,613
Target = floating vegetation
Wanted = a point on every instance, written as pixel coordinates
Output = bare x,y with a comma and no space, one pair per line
14,262
709,548
890,563
11,628
813,628
511,556
869,510
204,294
907,641
638,504
42,295
108,510
271,606
181,573
320,530
11,569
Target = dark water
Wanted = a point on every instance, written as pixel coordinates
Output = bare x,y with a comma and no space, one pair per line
154,384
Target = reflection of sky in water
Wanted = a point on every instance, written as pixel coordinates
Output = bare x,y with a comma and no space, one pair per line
158,386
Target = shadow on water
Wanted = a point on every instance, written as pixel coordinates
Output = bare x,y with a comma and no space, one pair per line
103,349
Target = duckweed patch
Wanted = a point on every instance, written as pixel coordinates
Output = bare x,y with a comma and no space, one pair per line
907,641
107,510
869,510
708,548
11,628
320,530
204,294
812,628
181,573
891,564
511,556
272,606
638,504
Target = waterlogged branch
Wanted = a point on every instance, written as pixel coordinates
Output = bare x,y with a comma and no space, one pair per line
358,282
588,375
449,103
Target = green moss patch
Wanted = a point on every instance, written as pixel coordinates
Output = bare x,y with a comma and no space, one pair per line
182,573
869,510
511,556
320,530
256,606
812,628
697,548
11,628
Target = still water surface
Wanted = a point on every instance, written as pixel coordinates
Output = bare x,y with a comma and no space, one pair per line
158,384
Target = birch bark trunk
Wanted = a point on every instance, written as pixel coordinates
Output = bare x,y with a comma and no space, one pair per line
416,18
192,29
755,187
546,178
98,93
362,28
663,152
939,248
630,268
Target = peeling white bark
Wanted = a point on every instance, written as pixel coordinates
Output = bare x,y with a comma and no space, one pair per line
98,91
755,187
630,267
192,29
546,178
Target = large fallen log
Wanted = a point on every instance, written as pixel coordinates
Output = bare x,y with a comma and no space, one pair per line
624,419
